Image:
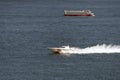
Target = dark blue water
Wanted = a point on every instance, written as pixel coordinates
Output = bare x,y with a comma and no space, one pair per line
28,27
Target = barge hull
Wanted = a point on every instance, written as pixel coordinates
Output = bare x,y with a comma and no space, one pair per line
78,15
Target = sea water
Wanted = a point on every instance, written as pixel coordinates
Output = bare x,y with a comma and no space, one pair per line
29,27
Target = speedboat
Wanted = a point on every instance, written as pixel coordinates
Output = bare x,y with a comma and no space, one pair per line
59,50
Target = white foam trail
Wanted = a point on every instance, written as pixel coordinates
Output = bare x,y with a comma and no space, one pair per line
94,49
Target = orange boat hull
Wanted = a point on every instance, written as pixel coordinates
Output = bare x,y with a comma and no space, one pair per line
56,51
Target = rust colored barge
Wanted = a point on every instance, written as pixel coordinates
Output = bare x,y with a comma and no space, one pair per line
78,13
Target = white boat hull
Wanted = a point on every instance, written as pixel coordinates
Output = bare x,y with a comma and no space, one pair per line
59,50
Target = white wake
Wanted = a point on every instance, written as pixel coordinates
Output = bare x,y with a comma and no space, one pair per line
94,49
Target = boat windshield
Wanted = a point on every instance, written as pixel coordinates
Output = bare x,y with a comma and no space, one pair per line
65,46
